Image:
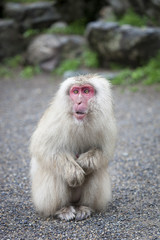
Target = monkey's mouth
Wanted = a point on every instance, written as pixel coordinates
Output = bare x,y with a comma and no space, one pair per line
79,114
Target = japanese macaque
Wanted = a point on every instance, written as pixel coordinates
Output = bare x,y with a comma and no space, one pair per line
71,148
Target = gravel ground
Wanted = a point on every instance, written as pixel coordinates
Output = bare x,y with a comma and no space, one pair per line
134,211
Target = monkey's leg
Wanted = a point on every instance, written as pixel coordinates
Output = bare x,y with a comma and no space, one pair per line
70,212
49,192
97,190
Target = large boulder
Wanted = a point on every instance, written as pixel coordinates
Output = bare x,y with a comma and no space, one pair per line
48,50
123,44
33,15
11,41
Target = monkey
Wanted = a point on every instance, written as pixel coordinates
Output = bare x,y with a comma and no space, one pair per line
71,148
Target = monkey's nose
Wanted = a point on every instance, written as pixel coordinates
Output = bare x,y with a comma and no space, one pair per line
79,100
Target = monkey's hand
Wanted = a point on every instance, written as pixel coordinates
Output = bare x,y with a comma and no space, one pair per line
90,161
74,174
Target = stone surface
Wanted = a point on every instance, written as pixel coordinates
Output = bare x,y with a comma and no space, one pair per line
11,42
48,50
123,44
59,24
33,15
107,14
135,209
119,6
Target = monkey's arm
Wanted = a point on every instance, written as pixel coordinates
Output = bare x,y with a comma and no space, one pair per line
69,169
91,160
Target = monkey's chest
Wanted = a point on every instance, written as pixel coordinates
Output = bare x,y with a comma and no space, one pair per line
80,140
78,147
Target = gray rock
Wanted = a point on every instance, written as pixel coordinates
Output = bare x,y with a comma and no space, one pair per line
59,25
119,6
11,41
33,15
109,75
123,44
107,14
71,73
156,3
48,50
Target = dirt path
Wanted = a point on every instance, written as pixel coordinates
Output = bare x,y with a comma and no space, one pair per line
134,211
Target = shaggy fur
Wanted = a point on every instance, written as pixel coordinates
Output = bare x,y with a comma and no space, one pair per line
70,157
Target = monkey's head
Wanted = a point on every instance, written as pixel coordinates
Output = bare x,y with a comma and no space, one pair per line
80,96
85,96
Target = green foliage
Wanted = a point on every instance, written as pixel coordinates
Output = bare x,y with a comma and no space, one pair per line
134,89
77,27
122,77
13,62
30,71
71,64
148,74
4,72
8,64
132,18
115,66
30,33
88,59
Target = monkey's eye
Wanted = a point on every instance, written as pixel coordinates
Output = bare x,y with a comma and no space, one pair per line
75,91
86,91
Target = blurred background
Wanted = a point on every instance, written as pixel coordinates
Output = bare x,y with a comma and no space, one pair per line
120,39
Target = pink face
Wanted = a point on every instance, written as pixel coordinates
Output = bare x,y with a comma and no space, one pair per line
80,96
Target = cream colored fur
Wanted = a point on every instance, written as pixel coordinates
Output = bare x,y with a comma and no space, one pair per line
55,170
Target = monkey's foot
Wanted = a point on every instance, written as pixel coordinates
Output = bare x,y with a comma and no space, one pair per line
66,213
83,212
